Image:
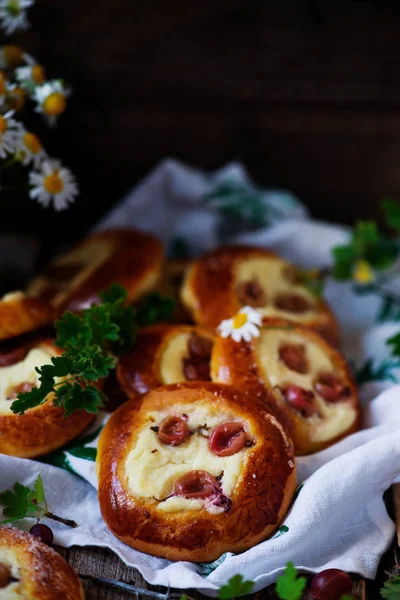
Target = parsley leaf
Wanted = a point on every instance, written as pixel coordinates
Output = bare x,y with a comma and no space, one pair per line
155,307
391,588
91,341
236,586
288,585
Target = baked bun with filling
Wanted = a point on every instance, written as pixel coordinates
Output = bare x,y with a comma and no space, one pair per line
30,570
74,280
41,429
21,314
294,368
192,471
221,282
165,354
174,273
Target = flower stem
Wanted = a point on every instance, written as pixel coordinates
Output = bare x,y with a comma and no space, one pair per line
67,522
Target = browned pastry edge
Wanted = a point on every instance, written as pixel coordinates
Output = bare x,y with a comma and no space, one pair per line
42,429
259,503
138,370
44,573
135,262
236,363
22,315
207,290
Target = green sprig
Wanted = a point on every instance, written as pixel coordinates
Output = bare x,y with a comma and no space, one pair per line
91,341
289,586
391,588
22,501
236,586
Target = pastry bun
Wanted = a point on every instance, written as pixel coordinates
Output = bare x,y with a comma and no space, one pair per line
192,471
30,570
20,314
41,429
74,280
165,354
219,283
295,369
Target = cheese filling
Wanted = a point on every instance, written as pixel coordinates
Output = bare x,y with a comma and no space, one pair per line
13,590
21,372
171,364
268,274
334,417
152,468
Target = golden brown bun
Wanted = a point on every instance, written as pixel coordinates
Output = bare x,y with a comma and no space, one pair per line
37,571
20,314
144,368
42,429
170,285
260,492
74,280
258,368
217,285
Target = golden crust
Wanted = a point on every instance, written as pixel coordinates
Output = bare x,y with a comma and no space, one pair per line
20,314
43,574
260,497
138,371
209,292
74,280
171,282
42,429
238,364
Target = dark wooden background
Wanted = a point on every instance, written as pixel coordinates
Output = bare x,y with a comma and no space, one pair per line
306,93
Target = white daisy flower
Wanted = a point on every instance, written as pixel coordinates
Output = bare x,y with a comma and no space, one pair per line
29,149
13,15
53,183
9,134
30,76
243,326
51,99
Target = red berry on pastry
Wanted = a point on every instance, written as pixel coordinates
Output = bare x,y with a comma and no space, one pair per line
173,430
227,439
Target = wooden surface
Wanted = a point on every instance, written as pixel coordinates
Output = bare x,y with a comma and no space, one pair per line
103,563
306,93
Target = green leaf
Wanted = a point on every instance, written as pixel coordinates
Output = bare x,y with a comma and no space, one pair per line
391,588
289,586
85,453
153,308
365,233
75,397
30,399
72,331
394,342
236,586
115,293
391,210
39,490
22,501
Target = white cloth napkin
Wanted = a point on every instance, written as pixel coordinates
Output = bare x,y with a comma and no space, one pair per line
339,518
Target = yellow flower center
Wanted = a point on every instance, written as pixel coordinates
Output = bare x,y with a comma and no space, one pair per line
53,183
362,272
17,98
239,320
55,104
38,74
3,125
12,55
32,142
